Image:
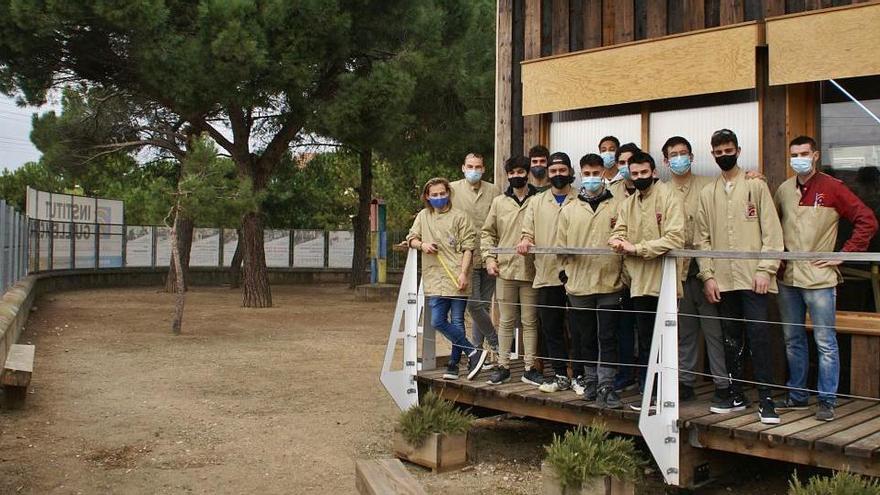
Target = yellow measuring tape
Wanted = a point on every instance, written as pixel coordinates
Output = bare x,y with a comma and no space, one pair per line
448,271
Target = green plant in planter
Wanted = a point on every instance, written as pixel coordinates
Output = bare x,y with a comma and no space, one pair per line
585,453
432,415
842,483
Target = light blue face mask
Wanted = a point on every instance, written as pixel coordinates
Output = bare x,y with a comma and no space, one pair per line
592,184
802,164
680,164
624,172
473,176
607,159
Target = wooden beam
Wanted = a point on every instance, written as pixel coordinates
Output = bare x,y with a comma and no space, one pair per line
811,46
592,24
656,18
732,12
865,367
561,36
19,366
569,82
624,21
695,15
774,8
608,25
503,85
531,50
384,476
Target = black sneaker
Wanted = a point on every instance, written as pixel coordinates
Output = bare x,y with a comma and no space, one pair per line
686,393
608,399
498,376
590,392
451,372
767,412
721,395
533,377
475,363
825,412
792,405
734,403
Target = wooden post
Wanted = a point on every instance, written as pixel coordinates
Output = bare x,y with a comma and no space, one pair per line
503,81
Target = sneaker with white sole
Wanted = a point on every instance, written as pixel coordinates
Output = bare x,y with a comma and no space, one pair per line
577,385
498,376
533,377
734,403
475,363
607,398
825,412
556,384
451,372
767,412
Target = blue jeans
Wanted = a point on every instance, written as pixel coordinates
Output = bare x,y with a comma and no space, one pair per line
452,330
794,302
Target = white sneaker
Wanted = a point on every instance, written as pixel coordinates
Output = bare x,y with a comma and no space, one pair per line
556,384
578,386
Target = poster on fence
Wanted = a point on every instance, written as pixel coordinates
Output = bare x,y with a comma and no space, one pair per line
341,249
230,243
138,245
58,207
205,249
277,248
308,248
163,246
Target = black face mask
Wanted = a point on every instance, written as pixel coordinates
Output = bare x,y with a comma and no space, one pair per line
726,162
517,182
539,172
560,181
643,183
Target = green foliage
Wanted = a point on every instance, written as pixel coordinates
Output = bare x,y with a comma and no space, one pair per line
433,414
13,184
842,483
585,453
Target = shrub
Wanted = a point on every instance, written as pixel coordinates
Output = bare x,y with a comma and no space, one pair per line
842,483
585,453
432,415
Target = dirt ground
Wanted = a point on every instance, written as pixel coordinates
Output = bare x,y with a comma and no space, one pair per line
281,400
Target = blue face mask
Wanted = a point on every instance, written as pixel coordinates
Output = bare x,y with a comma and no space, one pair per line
624,172
680,164
439,203
607,158
592,184
802,164
473,176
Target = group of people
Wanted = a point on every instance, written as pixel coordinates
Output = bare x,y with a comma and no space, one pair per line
607,302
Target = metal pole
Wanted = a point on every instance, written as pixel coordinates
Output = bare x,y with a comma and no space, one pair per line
97,245
3,273
72,246
220,248
124,245
13,251
51,237
383,244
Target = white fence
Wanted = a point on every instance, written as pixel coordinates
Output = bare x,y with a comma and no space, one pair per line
13,245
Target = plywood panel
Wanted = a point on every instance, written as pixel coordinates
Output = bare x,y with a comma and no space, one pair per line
569,82
813,46
503,83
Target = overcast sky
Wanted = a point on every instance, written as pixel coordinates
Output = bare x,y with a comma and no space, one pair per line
16,148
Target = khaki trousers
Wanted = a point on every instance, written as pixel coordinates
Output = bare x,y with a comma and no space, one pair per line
517,299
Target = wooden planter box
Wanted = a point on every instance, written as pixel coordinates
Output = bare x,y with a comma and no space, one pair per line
597,486
439,452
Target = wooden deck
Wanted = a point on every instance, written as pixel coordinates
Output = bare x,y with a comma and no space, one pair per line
851,441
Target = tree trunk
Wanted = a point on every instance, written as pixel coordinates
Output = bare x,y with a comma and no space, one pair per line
255,276
179,271
184,231
235,268
360,260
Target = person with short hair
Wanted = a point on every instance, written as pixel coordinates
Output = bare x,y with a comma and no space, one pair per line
621,184
736,214
539,228
650,223
810,206
608,146
593,284
538,157
446,239
473,196
513,274
678,155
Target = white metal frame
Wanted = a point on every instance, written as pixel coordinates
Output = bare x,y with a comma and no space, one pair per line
401,383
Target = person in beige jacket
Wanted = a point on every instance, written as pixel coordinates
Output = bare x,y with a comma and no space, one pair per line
737,214
447,240
650,223
513,274
473,196
593,284
539,229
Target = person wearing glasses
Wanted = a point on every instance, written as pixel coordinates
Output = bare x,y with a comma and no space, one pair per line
736,214
811,205
447,241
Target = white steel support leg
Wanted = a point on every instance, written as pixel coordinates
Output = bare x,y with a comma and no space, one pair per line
660,427
401,383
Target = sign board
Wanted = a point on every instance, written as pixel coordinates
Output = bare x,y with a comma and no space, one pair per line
57,207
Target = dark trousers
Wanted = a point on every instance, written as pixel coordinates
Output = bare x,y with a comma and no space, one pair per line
552,329
594,336
626,341
645,324
746,304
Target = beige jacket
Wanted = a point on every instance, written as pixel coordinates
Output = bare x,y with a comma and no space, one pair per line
539,226
453,234
689,192
743,219
580,226
503,228
654,223
475,204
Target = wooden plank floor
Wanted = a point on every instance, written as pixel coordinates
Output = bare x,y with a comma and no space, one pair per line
851,441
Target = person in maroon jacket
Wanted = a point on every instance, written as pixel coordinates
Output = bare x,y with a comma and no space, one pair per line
810,205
